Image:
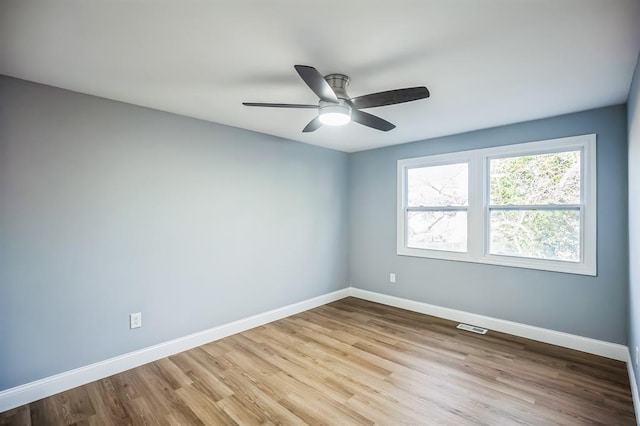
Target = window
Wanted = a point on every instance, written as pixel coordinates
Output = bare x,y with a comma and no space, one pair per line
530,205
437,201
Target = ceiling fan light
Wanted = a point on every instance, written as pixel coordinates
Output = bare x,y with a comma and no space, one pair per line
334,115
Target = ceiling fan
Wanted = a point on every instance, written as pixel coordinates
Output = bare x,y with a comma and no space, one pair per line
336,108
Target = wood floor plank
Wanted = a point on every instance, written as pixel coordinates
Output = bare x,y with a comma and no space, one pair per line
270,410
74,405
205,408
352,362
20,415
167,398
109,408
202,378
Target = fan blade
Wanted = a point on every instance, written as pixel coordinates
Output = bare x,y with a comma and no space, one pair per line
390,97
370,120
313,125
317,83
260,104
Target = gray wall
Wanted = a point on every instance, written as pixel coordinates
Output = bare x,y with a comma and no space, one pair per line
594,307
633,111
108,208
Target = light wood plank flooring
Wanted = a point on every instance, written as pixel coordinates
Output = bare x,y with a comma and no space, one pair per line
353,362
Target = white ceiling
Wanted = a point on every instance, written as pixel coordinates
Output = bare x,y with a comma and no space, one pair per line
486,63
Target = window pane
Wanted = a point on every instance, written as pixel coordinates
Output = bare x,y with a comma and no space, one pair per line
536,179
540,234
437,230
438,185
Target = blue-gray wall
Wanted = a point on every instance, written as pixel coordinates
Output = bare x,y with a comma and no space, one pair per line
108,208
633,111
594,307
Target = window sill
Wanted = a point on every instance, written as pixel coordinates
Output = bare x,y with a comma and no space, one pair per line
578,268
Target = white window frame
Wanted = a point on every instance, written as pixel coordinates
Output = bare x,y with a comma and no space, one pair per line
478,216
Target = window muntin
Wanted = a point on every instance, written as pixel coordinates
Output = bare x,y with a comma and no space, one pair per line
530,205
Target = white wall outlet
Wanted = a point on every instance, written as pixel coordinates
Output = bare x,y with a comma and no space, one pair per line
135,320
392,278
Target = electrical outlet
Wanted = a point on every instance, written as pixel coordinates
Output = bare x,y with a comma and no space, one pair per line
392,278
135,320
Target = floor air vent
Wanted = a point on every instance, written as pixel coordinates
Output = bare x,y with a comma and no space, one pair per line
472,328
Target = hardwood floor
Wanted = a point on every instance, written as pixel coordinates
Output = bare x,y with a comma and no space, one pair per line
353,362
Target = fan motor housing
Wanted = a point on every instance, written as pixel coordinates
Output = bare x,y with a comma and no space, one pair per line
338,83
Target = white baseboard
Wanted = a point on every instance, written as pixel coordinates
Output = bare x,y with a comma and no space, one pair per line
29,392
571,341
634,386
